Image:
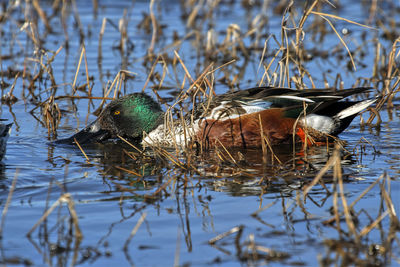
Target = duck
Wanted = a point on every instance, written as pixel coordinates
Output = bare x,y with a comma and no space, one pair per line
233,119
5,130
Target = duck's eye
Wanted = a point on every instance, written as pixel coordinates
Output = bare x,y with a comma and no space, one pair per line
117,112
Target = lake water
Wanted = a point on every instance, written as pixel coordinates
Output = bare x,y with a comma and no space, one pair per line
177,211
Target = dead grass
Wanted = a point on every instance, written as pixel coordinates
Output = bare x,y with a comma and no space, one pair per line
223,59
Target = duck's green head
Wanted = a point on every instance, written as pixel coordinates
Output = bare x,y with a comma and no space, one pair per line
128,116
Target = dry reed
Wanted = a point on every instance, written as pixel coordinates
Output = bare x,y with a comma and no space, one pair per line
282,61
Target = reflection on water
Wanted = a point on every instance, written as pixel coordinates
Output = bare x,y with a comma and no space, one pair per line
285,164
182,204
163,207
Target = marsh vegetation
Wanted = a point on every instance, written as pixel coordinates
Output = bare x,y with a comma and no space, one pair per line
118,203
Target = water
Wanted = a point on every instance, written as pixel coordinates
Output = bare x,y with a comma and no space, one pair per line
182,209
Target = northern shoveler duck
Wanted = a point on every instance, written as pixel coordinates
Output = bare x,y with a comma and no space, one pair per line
5,130
232,119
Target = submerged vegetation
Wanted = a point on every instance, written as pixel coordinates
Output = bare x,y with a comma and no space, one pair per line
63,64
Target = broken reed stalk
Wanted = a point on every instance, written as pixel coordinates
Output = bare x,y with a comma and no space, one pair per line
285,45
169,117
305,128
122,27
388,94
273,155
335,205
227,152
150,73
78,21
130,144
198,82
87,71
128,171
267,68
348,209
394,222
185,130
52,115
388,201
164,73
264,151
134,231
332,160
184,67
130,154
335,162
299,34
64,15
264,51
101,34
65,198
342,41
365,192
265,140
116,85
337,170
164,153
83,97
284,64
9,97
77,69
74,216
44,67
162,187
235,229
81,149
177,248
261,209
184,94
8,201
42,15
374,224
325,15
154,28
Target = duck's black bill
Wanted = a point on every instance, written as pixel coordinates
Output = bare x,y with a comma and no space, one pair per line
89,135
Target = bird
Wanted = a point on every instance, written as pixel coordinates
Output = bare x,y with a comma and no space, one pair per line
233,119
5,130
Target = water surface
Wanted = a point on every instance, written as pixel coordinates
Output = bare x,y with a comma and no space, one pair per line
184,209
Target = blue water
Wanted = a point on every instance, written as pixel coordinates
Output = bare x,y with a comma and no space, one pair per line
193,208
